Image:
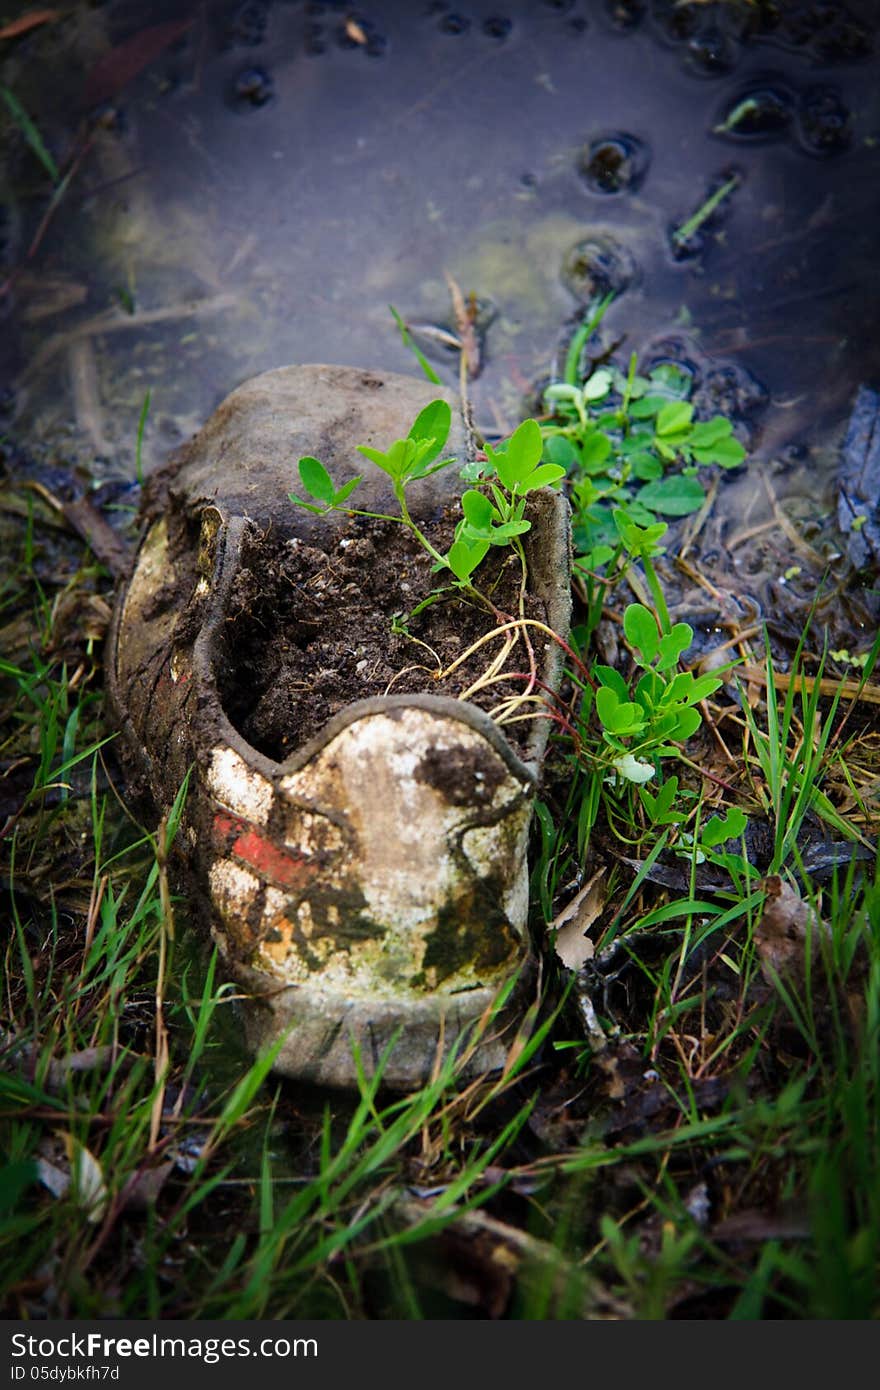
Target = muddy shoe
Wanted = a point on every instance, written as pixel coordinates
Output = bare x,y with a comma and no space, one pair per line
360,840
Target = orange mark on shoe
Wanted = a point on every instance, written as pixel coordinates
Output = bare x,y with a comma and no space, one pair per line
255,849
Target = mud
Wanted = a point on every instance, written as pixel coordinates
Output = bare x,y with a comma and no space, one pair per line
313,627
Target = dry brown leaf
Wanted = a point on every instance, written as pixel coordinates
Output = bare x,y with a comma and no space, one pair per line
781,934
573,947
27,21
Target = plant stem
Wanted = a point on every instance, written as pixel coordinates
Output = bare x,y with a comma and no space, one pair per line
407,521
657,595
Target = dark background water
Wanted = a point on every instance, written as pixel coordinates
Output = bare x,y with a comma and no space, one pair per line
261,189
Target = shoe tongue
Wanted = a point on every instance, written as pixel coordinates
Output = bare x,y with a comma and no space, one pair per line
245,457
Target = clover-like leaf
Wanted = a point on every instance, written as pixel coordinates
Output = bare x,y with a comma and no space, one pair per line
561,451
617,716
674,418
672,644
675,496
684,725
659,807
465,555
641,630
709,432
545,475
597,387
346,490
478,512
522,455
595,451
721,828
609,676
432,423
728,453
315,479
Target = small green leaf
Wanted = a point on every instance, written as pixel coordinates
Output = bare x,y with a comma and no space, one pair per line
464,557
709,432
523,453
478,511
617,716
597,386
729,453
646,466
641,630
674,418
610,677
377,457
346,490
502,534
559,450
316,480
596,558
646,407
561,391
719,829
545,475
433,423
659,807
687,721
672,644
595,451
306,506
686,688
673,496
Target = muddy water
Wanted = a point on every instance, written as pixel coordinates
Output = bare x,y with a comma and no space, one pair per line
260,189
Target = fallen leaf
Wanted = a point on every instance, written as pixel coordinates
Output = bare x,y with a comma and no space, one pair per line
27,21
142,1190
123,63
53,1177
87,1186
781,934
752,1224
573,947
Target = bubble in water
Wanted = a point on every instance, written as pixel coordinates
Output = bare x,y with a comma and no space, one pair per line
455,24
824,122
614,163
710,53
497,26
253,87
597,266
248,25
677,21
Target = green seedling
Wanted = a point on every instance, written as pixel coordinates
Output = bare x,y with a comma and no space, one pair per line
683,234
630,444
407,339
644,725
661,711
510,472
407,461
